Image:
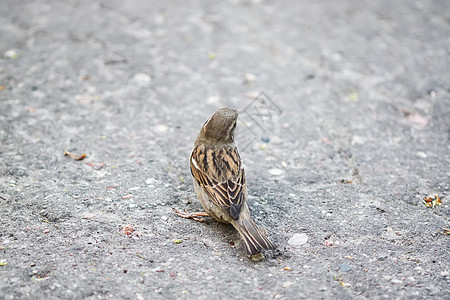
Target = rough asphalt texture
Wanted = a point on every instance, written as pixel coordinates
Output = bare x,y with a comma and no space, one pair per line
362,138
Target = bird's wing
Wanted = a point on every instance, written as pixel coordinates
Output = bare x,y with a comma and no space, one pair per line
220,173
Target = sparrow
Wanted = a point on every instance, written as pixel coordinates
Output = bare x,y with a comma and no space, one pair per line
219,179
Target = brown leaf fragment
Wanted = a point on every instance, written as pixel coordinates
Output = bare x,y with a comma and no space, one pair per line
81,157
96,166
432,201
445,231
414,117
127,229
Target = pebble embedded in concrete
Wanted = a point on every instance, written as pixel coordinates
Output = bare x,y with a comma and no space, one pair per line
298,239
345,267
275,172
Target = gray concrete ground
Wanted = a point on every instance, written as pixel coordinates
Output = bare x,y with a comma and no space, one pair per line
361,139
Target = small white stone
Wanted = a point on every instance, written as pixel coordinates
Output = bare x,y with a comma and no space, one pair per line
275,172
150,181
288,284
396,140
213,99
12,54
159,19
298,239
139,297
141,79
421,154
250,77
161,128
358,140
38,94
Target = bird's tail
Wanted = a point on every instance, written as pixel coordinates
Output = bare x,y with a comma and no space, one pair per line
254,238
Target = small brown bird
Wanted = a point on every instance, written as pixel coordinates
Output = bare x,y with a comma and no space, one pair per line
219,179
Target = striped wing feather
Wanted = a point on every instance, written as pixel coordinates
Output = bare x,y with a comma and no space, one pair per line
219,173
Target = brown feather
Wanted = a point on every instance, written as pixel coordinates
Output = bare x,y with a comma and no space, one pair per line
227,186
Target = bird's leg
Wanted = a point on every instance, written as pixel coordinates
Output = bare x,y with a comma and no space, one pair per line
197,216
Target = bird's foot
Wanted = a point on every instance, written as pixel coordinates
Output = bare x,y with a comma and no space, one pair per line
197,216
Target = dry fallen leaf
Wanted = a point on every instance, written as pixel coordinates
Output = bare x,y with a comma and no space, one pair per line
81,157
130,231
96,166
414,117
432,201
445,231
127,229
